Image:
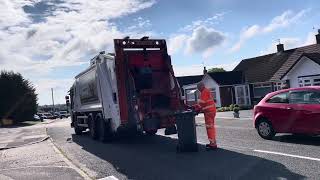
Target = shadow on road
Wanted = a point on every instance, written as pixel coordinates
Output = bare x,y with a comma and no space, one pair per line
156,158
20,124
299,139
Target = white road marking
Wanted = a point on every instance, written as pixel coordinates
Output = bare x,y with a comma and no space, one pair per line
289,155
109,178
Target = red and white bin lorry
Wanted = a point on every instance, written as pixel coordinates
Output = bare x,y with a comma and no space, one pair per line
132,90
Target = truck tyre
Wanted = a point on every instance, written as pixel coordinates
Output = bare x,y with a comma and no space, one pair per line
93,128
105,133
78,130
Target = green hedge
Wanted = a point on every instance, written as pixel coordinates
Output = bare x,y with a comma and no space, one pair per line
18,100
232,107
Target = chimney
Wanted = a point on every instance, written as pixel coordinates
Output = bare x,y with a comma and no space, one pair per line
280,48
318,37
204,70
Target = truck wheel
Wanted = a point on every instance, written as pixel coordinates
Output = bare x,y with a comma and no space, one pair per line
151,132
93,128
104,130
78,130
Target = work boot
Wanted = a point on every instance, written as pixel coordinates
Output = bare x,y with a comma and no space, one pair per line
211,147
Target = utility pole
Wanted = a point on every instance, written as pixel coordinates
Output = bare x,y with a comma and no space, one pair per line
52,99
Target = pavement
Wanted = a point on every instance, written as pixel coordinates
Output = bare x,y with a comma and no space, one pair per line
242,154
244,115
28,153
16,137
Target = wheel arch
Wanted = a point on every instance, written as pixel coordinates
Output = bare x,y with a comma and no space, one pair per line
259,119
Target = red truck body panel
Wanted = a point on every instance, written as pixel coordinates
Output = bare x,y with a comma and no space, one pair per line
147,88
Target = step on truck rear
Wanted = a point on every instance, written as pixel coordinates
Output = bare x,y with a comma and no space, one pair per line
132,90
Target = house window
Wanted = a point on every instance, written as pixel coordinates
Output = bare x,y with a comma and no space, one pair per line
242,95
316,82
309,81
214,94
261,89
277,86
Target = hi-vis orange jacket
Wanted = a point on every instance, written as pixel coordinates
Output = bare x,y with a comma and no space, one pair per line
206,101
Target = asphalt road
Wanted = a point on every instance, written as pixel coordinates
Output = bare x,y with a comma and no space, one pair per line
242,155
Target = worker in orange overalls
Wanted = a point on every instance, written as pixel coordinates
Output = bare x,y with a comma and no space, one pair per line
207,105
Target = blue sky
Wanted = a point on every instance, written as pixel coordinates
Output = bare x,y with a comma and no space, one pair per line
50,41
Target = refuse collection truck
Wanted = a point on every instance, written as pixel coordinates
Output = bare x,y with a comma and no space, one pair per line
131,90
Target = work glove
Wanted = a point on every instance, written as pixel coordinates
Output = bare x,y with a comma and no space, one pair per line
196,108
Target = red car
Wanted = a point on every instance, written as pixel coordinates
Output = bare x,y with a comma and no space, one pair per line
295,110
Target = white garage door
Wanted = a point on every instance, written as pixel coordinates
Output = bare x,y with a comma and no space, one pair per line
309,81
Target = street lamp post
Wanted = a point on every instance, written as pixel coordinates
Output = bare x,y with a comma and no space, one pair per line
52,100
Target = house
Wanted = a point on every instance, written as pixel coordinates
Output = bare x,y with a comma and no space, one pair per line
188,85
221,84
286,68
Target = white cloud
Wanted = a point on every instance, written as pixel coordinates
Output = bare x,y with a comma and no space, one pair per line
139,24
12,14
291,42
210,21
203,40
286,19
69,35
60,88
175,43
311,39
288,42
246,34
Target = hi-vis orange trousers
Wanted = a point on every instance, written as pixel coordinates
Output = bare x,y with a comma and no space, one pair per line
211,130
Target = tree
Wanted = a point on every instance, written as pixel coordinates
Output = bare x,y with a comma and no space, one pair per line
216,70
18,100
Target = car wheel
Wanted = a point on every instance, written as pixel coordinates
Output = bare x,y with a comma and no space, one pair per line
151,132
265,129
105,133
93,129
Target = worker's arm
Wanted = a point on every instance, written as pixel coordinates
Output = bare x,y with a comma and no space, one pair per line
204,97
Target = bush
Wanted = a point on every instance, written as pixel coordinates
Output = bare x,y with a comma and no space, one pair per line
246,107
18,100
236,109
219,110
231,106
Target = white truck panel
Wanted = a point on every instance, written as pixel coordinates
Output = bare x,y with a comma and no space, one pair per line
108,91
96,90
